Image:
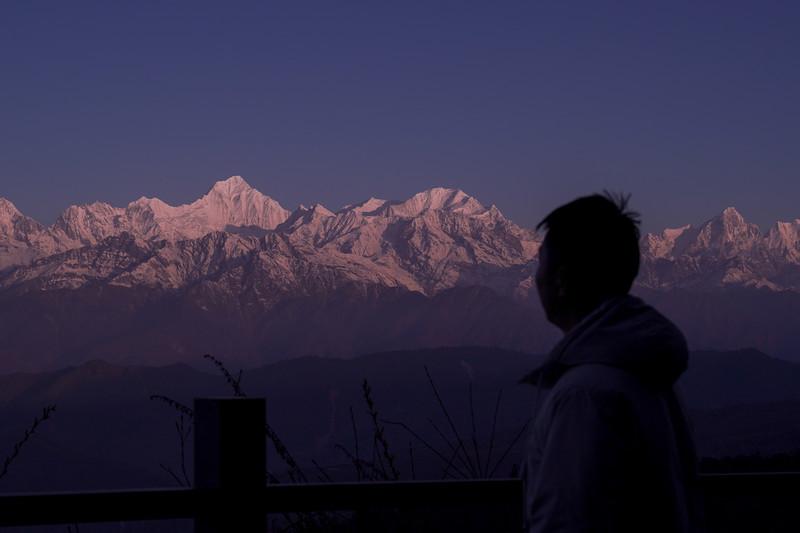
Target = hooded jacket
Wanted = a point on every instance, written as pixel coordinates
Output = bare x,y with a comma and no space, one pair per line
610,448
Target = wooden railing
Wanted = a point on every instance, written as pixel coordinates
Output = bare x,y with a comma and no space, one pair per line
230,494
225,506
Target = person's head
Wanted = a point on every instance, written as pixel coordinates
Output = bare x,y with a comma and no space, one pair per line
590,254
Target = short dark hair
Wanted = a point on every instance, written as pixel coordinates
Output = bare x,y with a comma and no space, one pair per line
597,237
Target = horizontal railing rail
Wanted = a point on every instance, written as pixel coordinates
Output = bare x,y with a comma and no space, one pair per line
170,504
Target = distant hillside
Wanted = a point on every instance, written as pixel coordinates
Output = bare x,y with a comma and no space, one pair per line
718,379
108,434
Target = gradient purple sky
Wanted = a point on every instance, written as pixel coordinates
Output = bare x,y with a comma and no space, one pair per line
690,106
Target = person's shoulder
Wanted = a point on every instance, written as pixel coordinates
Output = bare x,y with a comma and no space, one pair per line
593,379
586,394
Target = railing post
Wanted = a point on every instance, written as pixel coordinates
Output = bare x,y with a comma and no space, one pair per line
230,455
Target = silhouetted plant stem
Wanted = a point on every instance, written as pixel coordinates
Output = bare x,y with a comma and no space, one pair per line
425,443
494,432
411,459
474,430
450,465
323,474
457,450
510,447
365,466
380,436
171,473
377,459
178,406
235,383
29,432
295,472
447,416
357,463
183,431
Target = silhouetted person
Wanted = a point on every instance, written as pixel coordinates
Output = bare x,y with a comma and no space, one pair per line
610,449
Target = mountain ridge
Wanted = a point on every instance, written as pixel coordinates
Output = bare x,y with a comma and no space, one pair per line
426,243
435,239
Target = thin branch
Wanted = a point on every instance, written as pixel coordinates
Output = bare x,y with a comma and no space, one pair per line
235,383
458,450
494,432
184,433
360,464
324,477
380,436
178,406
510,447
377,458
355,440
446,412
424,443
450,464
474,428
29,432
172,473
411,457
295,472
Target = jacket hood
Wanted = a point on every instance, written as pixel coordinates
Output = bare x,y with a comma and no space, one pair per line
625,333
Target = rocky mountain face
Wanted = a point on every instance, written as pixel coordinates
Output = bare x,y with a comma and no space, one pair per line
725,251
435,240
236,239
236,271
16,232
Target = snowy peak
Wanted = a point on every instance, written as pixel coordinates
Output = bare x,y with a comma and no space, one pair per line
9,214
723,236
728,233
724,251
90,223
731,222
783,240
732,215
14,225
233,202
306,216
437,199
321,211
17,233
231,186
230,203
366,207
664,244
8,211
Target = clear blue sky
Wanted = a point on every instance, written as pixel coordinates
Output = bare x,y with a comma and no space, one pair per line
690,106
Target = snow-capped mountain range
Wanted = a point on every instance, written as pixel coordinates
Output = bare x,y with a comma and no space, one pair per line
726,251
236,274
437,239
